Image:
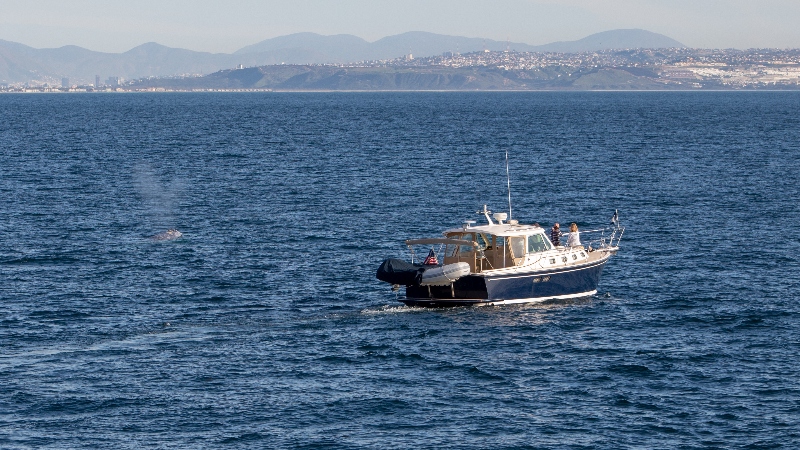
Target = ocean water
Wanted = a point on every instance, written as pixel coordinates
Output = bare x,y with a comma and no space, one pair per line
264,325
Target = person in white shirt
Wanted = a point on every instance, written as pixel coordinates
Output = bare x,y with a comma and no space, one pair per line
574,238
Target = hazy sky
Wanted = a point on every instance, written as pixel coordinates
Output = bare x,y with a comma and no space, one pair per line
225,26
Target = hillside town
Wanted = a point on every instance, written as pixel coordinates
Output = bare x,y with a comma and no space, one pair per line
696,67
673,68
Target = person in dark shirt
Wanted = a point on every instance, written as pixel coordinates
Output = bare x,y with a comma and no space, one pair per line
555,235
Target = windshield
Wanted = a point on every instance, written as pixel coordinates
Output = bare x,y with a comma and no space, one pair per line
538,243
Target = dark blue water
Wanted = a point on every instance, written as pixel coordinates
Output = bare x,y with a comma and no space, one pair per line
265,327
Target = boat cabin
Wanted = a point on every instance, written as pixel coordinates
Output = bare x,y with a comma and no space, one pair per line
502,246
496,246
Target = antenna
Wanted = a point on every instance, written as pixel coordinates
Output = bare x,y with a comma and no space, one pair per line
508,180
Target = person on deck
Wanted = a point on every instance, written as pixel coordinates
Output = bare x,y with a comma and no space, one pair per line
555,235
574,238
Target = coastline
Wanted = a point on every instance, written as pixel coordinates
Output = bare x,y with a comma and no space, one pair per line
366,91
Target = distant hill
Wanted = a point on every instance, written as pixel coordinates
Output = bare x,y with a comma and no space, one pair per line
315,47
20,63
17,65
611,40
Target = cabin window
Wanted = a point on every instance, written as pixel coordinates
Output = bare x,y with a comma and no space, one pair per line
517,244
552,260
537,243
467,237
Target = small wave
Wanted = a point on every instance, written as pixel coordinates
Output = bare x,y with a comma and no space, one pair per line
43,260
247,437
622,402
428,333
776,391
335,359
59,316
373,348
751,322
631,369
411,356
483,374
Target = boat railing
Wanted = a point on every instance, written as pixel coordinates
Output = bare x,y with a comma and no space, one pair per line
603,238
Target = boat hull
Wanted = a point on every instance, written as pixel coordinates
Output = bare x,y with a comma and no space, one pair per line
521,287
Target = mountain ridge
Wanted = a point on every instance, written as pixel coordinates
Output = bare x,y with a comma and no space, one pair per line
420,43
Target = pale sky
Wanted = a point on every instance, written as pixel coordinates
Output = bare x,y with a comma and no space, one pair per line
225,26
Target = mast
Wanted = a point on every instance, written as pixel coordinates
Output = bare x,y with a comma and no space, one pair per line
508,181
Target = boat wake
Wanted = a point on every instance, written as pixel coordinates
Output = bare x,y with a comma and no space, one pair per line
393,309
